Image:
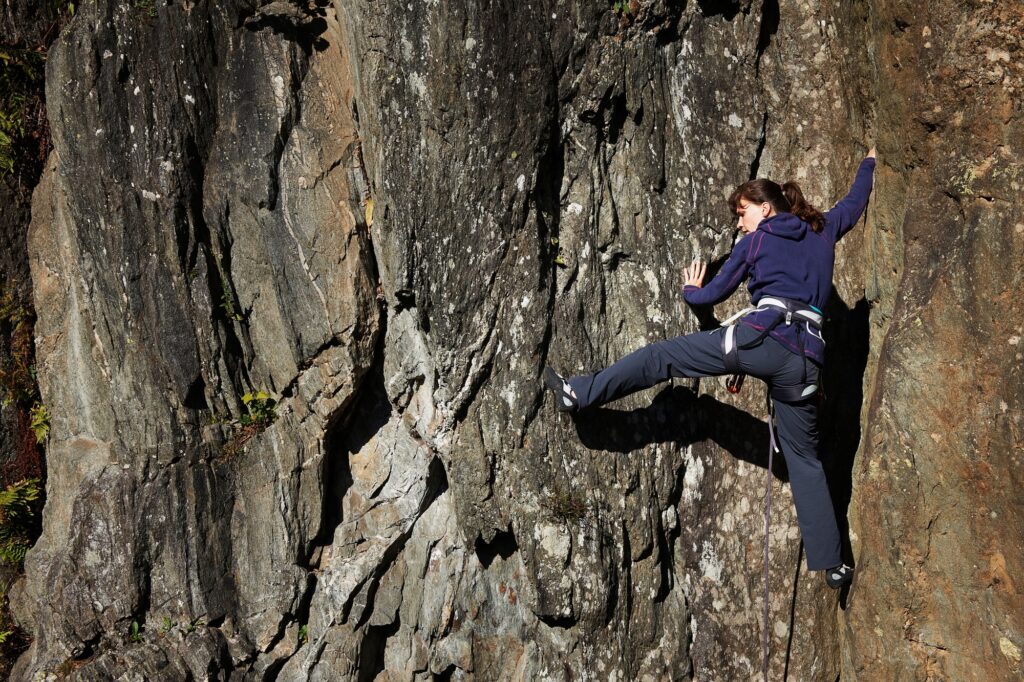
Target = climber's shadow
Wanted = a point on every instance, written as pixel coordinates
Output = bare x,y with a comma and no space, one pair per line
677,415
301,23
847,336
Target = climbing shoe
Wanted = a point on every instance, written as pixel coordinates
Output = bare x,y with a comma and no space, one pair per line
839,576
565,397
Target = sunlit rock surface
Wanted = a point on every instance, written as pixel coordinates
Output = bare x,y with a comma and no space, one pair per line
390,217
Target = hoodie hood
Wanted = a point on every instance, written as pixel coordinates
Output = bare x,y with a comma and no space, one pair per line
785,225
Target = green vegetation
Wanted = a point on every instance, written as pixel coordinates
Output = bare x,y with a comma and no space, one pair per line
303,634
146,8
19,510
135,632
227,302
39,422
13,640
261,409
21,78
259,415
625,7
17,373
187,628
559,260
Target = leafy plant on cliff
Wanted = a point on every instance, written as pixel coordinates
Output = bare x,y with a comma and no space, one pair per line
19,388
40,422
18,513
626,7
559,260
260,407
17,373
227,302
13,640
21,75
259,415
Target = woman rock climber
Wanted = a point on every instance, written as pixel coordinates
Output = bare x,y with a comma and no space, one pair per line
786,254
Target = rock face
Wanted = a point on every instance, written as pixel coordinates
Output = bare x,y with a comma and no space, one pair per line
390,217
937,505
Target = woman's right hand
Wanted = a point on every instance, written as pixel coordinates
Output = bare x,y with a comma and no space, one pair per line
694,274
871,152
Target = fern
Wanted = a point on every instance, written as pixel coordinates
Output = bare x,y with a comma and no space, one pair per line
40,422
17,513
21,73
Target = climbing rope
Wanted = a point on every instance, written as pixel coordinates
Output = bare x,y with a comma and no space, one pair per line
772,448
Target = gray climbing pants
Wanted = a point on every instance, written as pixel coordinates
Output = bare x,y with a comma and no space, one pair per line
700,355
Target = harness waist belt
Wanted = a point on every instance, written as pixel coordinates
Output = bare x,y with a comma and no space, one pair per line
788,310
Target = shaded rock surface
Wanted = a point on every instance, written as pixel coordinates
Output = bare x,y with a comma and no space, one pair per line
391,217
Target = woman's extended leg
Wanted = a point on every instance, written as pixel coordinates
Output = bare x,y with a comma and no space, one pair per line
694,355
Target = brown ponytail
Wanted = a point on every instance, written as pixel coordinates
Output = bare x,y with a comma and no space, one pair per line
785,198
799,207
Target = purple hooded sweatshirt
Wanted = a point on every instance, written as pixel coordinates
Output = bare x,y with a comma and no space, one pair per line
785,258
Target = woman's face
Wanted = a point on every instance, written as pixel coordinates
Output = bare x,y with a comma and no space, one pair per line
751,214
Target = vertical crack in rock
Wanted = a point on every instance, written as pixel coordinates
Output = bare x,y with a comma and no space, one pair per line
792,612
480,363
547,205
347,434
767,30
199,244
667,541
762,137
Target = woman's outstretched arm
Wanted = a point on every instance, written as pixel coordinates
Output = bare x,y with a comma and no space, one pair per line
722,285
845,214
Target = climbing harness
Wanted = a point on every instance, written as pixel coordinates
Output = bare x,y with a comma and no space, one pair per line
787,311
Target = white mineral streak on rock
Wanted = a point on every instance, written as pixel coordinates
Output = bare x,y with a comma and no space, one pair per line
710,564
652,283
418,85
288,221
693,476
280,95
555,541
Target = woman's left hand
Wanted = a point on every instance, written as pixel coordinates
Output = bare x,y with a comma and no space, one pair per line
694,274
